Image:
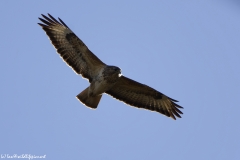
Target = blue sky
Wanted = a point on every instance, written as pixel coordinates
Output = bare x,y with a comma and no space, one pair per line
187,50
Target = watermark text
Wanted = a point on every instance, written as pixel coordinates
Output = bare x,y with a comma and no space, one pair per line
23,156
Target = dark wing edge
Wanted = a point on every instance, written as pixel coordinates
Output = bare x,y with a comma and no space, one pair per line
142,96
71,49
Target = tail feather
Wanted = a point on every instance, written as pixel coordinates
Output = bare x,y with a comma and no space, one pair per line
89,101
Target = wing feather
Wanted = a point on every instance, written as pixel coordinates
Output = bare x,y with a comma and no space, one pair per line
143,96
72,49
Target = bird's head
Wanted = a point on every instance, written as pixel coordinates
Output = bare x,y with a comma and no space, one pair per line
113,70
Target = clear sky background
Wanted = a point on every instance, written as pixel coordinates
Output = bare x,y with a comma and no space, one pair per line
188,50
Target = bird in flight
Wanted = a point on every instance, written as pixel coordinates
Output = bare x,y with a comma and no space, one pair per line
103,78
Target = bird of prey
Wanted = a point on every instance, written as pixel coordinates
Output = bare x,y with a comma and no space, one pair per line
103,78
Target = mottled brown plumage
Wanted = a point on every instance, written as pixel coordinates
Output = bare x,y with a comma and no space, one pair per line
103,78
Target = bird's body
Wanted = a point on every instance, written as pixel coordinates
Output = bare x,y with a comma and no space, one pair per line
103,78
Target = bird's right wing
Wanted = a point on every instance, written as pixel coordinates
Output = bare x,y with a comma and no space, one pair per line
143,96
72,49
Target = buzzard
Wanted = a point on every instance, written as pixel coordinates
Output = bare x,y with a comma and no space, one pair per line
102,77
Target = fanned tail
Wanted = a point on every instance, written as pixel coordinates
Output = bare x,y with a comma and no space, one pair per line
89,101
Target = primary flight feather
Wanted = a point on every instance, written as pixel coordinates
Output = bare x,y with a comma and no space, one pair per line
103,78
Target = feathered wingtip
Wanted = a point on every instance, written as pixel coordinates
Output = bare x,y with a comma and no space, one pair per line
48,21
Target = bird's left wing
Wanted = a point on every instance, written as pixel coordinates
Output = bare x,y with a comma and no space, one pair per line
143,96
72,49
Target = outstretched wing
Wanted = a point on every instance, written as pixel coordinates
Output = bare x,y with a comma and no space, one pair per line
72,49
143,96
